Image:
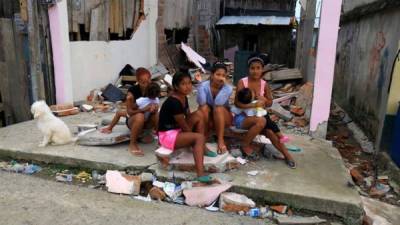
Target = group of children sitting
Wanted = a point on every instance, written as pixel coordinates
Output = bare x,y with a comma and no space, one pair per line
177,127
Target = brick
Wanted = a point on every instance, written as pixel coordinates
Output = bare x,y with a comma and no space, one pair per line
66,112
282,209
157,194
60,107
297,110
356,175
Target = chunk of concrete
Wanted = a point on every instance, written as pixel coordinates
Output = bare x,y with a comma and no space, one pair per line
233,202
118,135
297,220
380,212
185,162
281,112
204,196
116,182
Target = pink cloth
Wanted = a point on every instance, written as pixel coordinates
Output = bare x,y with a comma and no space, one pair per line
167,138
263,83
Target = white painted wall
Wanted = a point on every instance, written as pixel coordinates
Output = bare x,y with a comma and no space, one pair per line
94,64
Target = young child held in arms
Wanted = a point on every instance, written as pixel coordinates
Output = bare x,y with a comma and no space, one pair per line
247,96
153,92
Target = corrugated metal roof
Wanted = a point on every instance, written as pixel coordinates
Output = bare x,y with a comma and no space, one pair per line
255,20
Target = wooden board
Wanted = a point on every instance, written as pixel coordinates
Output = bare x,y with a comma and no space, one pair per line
129,12
23,10
89,5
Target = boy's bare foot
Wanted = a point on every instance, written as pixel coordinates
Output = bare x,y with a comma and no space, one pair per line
135,150
106,130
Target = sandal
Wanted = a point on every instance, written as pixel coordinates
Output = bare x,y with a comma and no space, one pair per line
252,156
291,164
210,153
204,179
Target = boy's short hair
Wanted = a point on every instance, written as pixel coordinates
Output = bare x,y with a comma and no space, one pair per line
153,90
178,77
245,96
142,71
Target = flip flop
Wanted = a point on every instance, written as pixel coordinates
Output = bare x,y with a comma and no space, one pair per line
291,164
210,153
204,179
137,152
252,156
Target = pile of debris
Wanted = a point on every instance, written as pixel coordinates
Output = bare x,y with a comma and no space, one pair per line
291,107
212,197
361,166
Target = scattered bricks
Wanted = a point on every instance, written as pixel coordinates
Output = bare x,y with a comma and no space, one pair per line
233,202
300,122
282,209
356,175
297,110
157,194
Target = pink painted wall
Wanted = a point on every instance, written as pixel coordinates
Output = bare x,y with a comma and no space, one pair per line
325,65
58,18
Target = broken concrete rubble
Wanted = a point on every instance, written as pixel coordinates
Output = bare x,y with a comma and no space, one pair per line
204,196
120,134
233,202
297,220
116,182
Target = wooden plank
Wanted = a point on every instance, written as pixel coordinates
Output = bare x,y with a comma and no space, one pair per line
8,45
112,15
89,5
97,31
129,12
106,4
23,7
77,8
120,20
137,14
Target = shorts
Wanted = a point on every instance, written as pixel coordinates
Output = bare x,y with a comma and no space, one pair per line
271,125
167,138
238,120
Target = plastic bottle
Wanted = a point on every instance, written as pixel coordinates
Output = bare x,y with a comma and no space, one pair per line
254,212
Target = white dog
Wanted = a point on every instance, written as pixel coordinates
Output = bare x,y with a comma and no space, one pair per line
55,131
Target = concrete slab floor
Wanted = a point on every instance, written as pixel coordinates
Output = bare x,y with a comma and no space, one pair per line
318,184
20,141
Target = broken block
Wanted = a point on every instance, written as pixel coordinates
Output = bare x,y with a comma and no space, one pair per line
282,209
281,112
204,196
116,182
184,161
233,202
118,135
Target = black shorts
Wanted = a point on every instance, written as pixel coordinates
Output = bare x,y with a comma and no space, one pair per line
271,125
